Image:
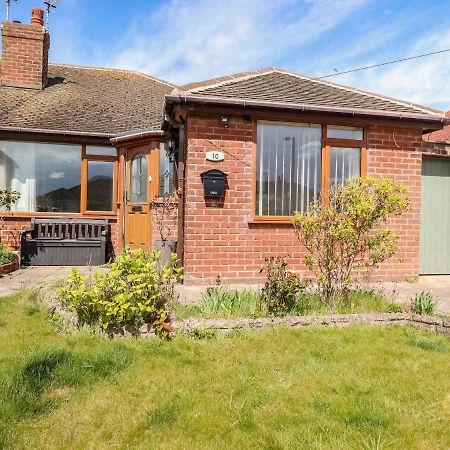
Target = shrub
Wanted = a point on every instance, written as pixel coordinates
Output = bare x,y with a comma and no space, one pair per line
344,232
424,303
281,288
133,292
5,255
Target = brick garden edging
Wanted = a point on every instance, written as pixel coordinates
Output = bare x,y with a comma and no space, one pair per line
433,323
224,326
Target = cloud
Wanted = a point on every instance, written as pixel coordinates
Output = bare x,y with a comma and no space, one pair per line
423,80
188,41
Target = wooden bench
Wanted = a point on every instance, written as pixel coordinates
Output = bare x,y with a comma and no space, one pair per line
64,242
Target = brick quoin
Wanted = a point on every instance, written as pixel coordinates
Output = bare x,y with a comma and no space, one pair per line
220,238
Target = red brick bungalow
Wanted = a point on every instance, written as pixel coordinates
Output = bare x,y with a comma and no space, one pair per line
280,138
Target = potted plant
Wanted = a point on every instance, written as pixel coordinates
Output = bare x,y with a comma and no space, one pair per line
165,219
9,260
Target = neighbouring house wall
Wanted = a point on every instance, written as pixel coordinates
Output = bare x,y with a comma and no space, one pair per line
220,237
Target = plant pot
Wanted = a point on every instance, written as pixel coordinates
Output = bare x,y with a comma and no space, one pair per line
10,267
166,248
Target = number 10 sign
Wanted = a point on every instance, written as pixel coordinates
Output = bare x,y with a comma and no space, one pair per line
215,156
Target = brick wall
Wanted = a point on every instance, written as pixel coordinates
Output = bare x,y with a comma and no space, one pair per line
220,238
24,55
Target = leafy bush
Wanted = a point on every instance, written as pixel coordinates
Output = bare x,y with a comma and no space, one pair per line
224,302
344,232
281,288
424,303
5,255
133,292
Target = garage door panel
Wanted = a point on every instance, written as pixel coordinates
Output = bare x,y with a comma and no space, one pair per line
435,217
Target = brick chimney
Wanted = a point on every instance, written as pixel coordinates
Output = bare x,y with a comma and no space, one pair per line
24,61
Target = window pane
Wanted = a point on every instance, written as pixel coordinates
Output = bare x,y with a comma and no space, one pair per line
289,167
338,132
345,163
166,172
101,151
46,175
100,186
138,179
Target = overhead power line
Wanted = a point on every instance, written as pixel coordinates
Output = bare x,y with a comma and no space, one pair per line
381,64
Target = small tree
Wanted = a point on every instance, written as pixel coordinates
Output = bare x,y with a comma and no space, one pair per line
165,216
346,232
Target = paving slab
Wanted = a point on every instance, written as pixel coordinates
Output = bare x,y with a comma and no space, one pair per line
438,285
28,276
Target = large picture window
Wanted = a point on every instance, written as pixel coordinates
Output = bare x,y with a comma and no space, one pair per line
59,178
289,168
297,163
48,177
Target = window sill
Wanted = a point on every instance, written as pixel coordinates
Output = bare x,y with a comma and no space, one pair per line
29,215
275,220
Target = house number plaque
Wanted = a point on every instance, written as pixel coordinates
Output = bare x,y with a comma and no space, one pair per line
215,156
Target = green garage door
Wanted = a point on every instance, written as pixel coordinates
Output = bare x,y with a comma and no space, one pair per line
435,217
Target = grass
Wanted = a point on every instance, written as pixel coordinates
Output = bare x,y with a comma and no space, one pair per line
358,387
223,302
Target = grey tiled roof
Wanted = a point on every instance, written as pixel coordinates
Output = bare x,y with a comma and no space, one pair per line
89,100
279,86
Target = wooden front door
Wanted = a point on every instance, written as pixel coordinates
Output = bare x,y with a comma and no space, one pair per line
140,166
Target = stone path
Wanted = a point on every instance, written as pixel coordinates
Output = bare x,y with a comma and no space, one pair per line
438,285
26,277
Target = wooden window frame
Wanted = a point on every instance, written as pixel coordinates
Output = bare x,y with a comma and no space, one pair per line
85,158
83,183
327,143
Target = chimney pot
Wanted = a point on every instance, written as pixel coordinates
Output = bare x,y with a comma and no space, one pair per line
37,17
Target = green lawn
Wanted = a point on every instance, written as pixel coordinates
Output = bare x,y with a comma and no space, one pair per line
359,387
